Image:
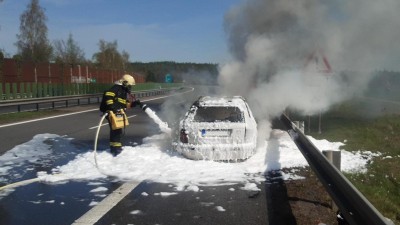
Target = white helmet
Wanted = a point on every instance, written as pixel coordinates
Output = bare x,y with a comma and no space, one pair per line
126,80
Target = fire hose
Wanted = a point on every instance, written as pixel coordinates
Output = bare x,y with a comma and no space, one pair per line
96,138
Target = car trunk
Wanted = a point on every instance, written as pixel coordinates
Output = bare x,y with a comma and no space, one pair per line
217,133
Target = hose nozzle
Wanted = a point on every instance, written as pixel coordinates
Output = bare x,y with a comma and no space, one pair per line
143,107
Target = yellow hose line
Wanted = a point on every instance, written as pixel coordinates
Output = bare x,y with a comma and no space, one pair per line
24,182
96,138
19,183
95,146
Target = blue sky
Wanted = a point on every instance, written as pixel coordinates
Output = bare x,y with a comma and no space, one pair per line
149,30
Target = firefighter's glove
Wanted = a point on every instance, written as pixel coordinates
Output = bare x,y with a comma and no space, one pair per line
136,103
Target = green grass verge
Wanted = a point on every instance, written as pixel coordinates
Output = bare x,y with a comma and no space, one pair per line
381,184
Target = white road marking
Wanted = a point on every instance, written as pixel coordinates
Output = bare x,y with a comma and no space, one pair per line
98,211
90,110
46,118
107,123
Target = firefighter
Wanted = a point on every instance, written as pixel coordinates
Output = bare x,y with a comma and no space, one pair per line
116,99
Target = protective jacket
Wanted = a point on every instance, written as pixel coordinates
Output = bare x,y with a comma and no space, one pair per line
114,99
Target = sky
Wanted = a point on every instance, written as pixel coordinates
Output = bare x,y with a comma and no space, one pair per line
149,30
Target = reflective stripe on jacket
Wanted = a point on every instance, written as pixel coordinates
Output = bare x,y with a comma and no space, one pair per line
114,98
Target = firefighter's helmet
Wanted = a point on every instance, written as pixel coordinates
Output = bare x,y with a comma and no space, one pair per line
127,80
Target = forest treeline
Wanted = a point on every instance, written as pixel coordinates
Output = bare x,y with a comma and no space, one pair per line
194,73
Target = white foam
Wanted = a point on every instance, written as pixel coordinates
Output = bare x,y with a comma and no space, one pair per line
250,187
165,194
193,188
155,161
149,161
220,208
28,152
161,124
93,203
99,189
136,212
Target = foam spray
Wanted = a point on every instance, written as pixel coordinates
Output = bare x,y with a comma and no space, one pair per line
161,124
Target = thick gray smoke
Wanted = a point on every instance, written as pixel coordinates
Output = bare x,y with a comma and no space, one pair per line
279,47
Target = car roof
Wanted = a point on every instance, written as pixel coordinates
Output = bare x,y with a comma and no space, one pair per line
234,101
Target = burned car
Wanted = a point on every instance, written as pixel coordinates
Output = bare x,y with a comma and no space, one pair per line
218,128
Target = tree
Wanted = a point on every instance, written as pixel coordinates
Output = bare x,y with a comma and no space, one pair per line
68,52
109,57
150,76
125,59
32,41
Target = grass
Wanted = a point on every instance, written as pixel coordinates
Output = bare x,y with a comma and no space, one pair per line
381,133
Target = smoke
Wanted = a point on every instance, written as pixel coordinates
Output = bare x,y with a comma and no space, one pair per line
294,53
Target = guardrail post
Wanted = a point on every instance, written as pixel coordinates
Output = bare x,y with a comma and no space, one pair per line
333,157
300,125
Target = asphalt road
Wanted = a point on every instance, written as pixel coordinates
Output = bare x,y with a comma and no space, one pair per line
66,203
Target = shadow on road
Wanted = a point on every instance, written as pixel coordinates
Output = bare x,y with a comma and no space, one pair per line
279,210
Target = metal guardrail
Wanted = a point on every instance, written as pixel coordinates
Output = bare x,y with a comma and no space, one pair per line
355,208
65,102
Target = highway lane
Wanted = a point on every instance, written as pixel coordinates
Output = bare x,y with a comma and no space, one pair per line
76,121
67,202
74,124
211,205
15,208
